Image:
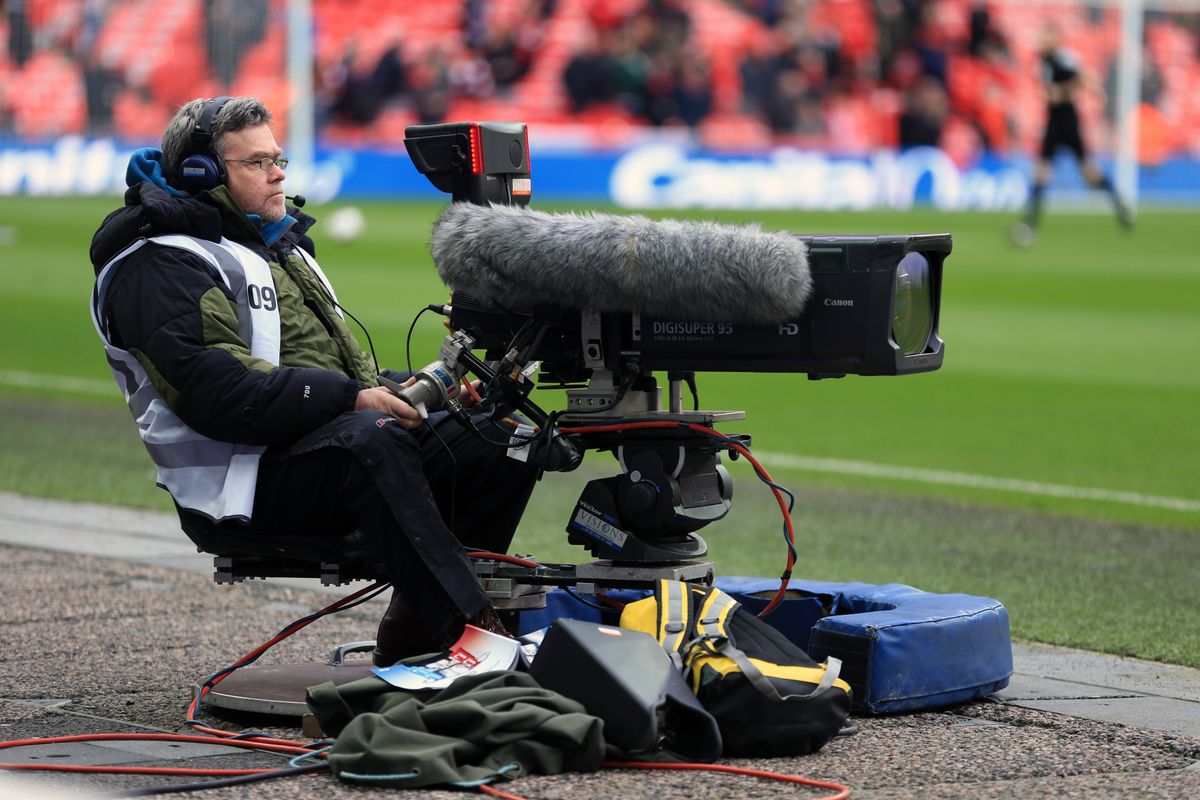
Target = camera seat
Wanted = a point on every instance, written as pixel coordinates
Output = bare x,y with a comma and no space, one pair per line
335,558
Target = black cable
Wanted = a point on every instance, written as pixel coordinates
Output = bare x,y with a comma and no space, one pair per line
533,346
587,603
408,339
217,784
522,440
453,473
691,382
370,343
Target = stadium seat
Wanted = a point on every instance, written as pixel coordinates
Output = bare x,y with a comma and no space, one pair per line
851,19
960,141
964,82
174,81
390,124
46,96
853,124
735,132
722,32
138,119
268,57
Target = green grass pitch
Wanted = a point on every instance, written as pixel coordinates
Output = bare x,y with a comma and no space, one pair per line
1051,463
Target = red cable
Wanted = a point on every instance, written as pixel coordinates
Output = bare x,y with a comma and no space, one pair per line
269,744
155,737
272,744
266,743
483,787
470,387
611,602
842,792
787,521
193,707
522,562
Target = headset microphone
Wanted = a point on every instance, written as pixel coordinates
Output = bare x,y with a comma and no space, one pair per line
297,199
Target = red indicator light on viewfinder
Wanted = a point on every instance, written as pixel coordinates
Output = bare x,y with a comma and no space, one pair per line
476,149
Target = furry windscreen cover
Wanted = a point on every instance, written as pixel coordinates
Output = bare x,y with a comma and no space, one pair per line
519,258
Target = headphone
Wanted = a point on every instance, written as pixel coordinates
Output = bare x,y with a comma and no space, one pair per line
201,168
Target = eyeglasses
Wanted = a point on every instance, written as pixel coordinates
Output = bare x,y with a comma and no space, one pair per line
264,164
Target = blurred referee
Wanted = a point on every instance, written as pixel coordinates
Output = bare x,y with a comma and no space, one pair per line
1062,78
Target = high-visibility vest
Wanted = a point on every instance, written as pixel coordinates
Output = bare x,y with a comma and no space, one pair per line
214,478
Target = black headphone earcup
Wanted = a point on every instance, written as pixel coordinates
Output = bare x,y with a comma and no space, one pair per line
199,172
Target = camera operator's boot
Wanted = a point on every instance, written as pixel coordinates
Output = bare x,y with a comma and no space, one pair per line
490,621
401,634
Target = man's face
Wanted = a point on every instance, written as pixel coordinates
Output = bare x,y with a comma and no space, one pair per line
257,191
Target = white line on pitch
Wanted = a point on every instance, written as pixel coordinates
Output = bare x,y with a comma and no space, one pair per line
944,477
64,383
33,380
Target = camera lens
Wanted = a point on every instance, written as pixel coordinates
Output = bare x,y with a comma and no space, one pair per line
912,310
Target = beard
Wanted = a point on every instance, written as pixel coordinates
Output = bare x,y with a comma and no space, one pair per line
272,211
268,209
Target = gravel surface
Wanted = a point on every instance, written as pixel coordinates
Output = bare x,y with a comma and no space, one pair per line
94,645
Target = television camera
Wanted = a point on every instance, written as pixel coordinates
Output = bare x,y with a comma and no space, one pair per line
870,306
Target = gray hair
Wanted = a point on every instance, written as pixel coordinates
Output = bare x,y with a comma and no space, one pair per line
236,114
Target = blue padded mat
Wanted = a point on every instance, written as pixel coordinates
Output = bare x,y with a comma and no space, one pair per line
901,649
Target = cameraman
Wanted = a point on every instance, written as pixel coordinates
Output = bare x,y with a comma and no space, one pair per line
257,405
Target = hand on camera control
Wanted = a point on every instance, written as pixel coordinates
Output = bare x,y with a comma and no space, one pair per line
381,399
386,399
439,386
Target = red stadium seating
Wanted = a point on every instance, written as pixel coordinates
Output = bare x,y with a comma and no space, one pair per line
158,48
45,97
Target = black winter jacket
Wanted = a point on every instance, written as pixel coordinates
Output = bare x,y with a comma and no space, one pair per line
172,311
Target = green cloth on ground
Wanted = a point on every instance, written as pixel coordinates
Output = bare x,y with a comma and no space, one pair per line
481,728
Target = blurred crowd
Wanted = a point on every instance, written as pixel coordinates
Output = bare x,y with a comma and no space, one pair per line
916,73
642,57
489,58
55,49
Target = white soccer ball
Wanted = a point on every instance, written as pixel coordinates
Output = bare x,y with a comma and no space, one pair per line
346,224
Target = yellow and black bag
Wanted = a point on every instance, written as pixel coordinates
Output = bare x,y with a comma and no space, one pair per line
768,697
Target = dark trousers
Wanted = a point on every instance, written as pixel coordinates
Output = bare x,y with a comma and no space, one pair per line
416,498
